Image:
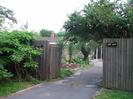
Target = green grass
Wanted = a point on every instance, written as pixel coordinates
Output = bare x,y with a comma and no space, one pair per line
64,72
114,94
14,86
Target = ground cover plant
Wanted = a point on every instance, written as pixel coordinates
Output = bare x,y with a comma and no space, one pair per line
65,72
114,94
7,88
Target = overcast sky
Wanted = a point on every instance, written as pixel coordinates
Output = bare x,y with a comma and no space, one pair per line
48,14
40,14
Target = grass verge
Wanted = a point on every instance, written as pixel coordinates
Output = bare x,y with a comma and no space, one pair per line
114,94
14,86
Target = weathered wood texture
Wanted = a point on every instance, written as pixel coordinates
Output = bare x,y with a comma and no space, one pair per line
54,61
118,64
49,60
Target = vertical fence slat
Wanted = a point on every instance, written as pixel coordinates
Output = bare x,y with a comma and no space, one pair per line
128,64
104,63
118,64
131,66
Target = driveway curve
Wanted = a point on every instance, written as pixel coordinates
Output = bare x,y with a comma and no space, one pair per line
82,85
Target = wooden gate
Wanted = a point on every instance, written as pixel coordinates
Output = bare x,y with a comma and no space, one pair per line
118,63
54,52
49,60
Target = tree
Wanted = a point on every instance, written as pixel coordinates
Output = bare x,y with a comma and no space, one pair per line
130,2
101,19
61,34
85,47
45,33
6,14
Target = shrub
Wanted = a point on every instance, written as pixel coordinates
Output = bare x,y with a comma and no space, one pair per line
83,64
16,49
4,74
65,73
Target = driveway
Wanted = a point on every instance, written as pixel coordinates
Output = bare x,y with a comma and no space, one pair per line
82,85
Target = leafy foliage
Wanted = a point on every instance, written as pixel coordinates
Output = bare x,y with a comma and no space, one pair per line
65,73
16,48
101,19
4,74
61,34
45,33
83,64
6,14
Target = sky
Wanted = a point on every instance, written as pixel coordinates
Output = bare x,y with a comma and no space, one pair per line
43,14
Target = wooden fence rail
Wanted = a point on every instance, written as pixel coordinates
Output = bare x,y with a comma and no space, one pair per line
118,63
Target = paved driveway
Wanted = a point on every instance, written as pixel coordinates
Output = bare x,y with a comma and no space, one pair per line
82,85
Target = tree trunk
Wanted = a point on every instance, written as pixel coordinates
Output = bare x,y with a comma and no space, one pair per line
84,52
70,53
18,74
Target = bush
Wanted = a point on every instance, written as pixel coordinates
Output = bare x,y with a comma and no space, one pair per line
83,64
16,50
4,74
65,73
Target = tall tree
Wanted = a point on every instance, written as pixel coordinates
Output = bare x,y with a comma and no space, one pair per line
101,19
130,2
45,33
6,14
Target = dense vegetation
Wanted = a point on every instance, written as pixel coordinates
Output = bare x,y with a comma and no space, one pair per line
16,54
64,72
101,19
45,33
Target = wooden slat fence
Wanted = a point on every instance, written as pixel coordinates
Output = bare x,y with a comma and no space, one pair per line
49,60
118,63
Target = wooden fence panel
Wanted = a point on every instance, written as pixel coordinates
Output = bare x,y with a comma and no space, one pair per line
118,63
42,60
49,60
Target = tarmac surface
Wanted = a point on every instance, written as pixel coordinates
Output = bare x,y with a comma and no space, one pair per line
84,84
